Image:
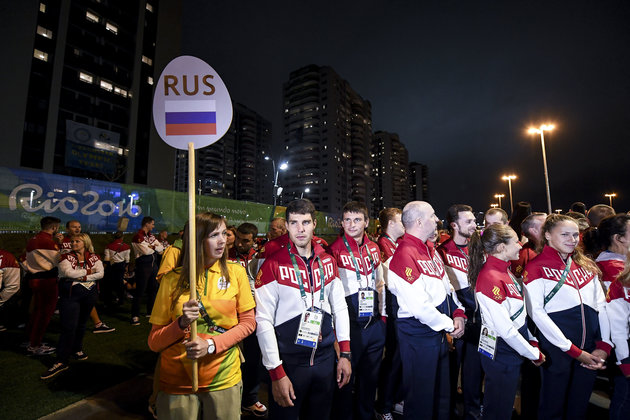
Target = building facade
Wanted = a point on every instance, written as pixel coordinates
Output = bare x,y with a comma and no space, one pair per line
326,140
419,182
390,163
80,75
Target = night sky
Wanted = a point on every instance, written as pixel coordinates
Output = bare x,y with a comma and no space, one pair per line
459,81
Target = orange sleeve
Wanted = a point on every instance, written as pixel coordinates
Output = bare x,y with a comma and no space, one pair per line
163,336
246,325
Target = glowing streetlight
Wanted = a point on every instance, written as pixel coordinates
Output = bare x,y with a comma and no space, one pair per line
494,205
277,190
306,190
541,130
610,197
499,197
509,179
558,211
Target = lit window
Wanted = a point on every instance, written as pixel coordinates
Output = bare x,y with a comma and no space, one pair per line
92,17
107,86
149,7
111,28
150,80
87,78
120,91
40,55
147,60
46,33
77,52
42,7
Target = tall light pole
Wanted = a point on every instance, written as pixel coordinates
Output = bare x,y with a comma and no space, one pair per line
306,190
277,190
610,197
499,197
541,130
509,179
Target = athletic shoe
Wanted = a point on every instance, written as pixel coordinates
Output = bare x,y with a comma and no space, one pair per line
258,409
55,370
135,320
80,355
103,328
384,416
399,407
153,410
40,350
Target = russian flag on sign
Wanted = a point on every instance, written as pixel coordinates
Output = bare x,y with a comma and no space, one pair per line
190,118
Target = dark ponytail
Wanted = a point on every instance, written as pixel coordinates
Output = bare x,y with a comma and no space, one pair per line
475,258
485,244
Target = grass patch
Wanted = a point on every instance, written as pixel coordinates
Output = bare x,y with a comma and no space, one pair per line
113,358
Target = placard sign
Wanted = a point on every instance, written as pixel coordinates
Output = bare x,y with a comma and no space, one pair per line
191,104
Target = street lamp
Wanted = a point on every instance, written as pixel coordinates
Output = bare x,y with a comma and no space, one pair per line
541,130
494,205
610,197
306,190
499,197
277,190
558,211
509,179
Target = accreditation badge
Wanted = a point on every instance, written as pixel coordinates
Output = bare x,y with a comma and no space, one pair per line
366,302
487,342
309,328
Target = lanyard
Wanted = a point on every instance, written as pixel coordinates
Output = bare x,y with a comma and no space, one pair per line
520,291
322,279
560,283
356,265
390,240
462,251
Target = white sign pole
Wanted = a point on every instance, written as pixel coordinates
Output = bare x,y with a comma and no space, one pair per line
192,255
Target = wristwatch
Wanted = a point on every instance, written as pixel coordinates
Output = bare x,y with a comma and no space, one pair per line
346,355
211,347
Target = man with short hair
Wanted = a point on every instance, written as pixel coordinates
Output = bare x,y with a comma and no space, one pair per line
495,215
297,280
392,230
598,212
243,250
42,257
461,223
73,227
428,309
146,248
359,263
277,227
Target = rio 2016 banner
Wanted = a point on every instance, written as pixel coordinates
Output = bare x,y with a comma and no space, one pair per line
27,196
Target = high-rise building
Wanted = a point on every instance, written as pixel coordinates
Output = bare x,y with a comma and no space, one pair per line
235,166
79,76
327,139
419,181
390,163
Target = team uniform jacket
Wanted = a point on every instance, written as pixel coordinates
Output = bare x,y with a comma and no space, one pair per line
611,265
279,307
525,255
117,252
425,296
499,299
42,255
575,318
348,276
66,245
456,265
274,246
84,274
9,276
387,246
145,245
244,260
618,309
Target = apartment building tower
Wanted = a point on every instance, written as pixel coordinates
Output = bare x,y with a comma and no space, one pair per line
390,169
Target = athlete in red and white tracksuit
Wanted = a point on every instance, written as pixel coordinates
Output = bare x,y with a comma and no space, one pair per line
387,246
618,309
367,333
279,307
455,259
574,319
427,306
611,265
503,311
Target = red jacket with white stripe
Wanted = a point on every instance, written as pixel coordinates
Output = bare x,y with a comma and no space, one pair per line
618,308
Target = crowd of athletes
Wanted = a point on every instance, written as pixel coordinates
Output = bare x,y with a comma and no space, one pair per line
420,318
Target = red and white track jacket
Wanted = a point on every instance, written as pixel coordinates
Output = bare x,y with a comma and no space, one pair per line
618,308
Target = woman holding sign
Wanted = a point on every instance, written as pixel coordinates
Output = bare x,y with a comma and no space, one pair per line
567,303
505,339
225,313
